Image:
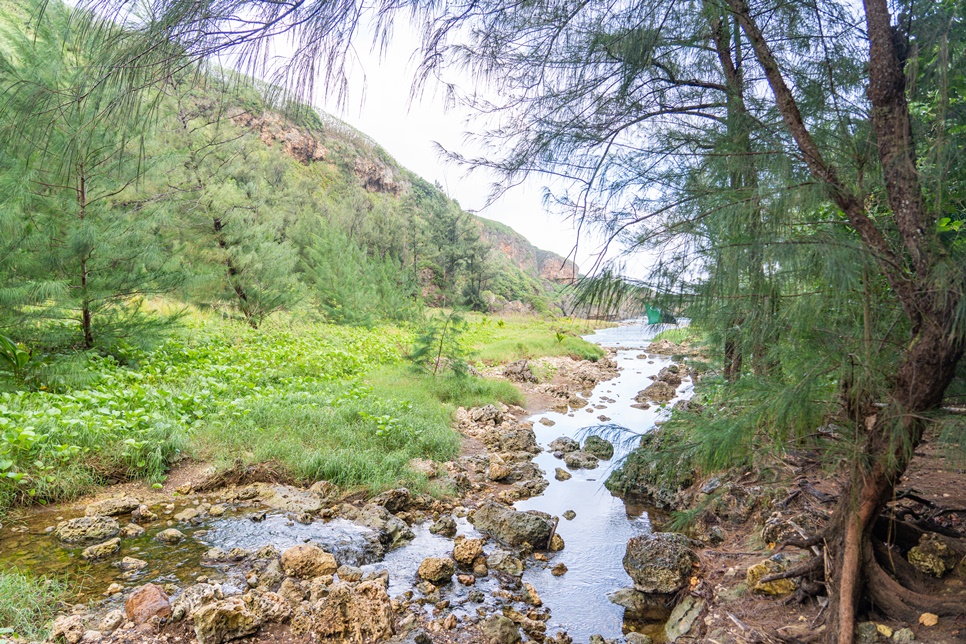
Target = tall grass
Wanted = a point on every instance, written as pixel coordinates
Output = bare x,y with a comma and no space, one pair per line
504,339
27,603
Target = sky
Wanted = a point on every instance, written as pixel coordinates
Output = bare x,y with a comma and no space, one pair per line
379,105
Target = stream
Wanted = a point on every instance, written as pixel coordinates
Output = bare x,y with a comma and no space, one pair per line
595,538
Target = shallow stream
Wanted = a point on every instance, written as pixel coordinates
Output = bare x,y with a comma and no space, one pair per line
595,538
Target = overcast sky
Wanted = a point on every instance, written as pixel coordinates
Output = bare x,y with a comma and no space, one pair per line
379,106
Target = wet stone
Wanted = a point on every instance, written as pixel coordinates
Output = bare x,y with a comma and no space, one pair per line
445,526
112,507
581,460
146,602
170,536
569,515
101,550
87,529
561,474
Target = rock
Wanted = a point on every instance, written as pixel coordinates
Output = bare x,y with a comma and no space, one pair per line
519,372
270,607
682,618
102,550
671,375
497,629
505,562
112,507
466,580
932,556
289,499
194,597
224,620
308,561
324,489
146,602
131,563
564,444
394,500
777,588
360,614
187,515
87,529
112,621
561,474
131,530
143,514
445,526
425,467
641,607
866,633
170,536
556,543
437,569
530,594
581,460
465,551
521,439
498,471
292,591
904,635
569,515
511,526
659,563
599,447
929,619
547,422
659,392
638,638
392,530
217,510
67,628
559,570
884,630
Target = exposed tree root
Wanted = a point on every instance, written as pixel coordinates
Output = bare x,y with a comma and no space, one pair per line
814,564
893,599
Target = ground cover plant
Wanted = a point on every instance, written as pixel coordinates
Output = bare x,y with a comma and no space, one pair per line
505,338
27,603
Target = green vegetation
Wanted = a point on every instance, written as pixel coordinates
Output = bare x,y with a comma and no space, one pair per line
677,336
27,604
516,337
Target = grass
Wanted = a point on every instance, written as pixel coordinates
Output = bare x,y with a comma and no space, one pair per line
504,339
27,603
677,336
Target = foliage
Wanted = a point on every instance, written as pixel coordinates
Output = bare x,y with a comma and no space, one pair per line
28,603
13,358
518,337
438,346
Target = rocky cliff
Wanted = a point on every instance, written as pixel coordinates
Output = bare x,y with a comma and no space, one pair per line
527,257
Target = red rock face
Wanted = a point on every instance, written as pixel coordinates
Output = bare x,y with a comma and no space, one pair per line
273,128
146,602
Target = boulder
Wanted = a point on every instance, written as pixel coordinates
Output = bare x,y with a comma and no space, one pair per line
659,563
599,447
87,529
581,460
361,614
659,392
112,621
641,607
270,607
564,444
394,500
486,415
308,561
170,536
289,499
131,563
143,514
445,526
145,602
188,515
224,620
777,588
683,618
112,507
194,597
561,474
498,629
67,628
437,569
101,550
519,372
465,551
392,530
513,527
671,375
932,556
504,561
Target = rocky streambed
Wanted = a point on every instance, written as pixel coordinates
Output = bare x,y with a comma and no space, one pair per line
532,546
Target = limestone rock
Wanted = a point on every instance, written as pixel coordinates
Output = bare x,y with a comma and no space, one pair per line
67,628
658,392
308,561
146,602
564,444
194,597
101,550
556,543
683,618
659,563
112,621
581,460
498,629
561,474
436,569
87,529
599,447
445,526
143,514
465,551
777,588
513,527
112,507
170,536
224,620
932,556
641,607
270,607
188,515
505,562
519,372
289,499
360,614
392,530
130,531
425,467
394,500
131,563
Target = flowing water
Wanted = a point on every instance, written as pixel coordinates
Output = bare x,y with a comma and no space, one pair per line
595,538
